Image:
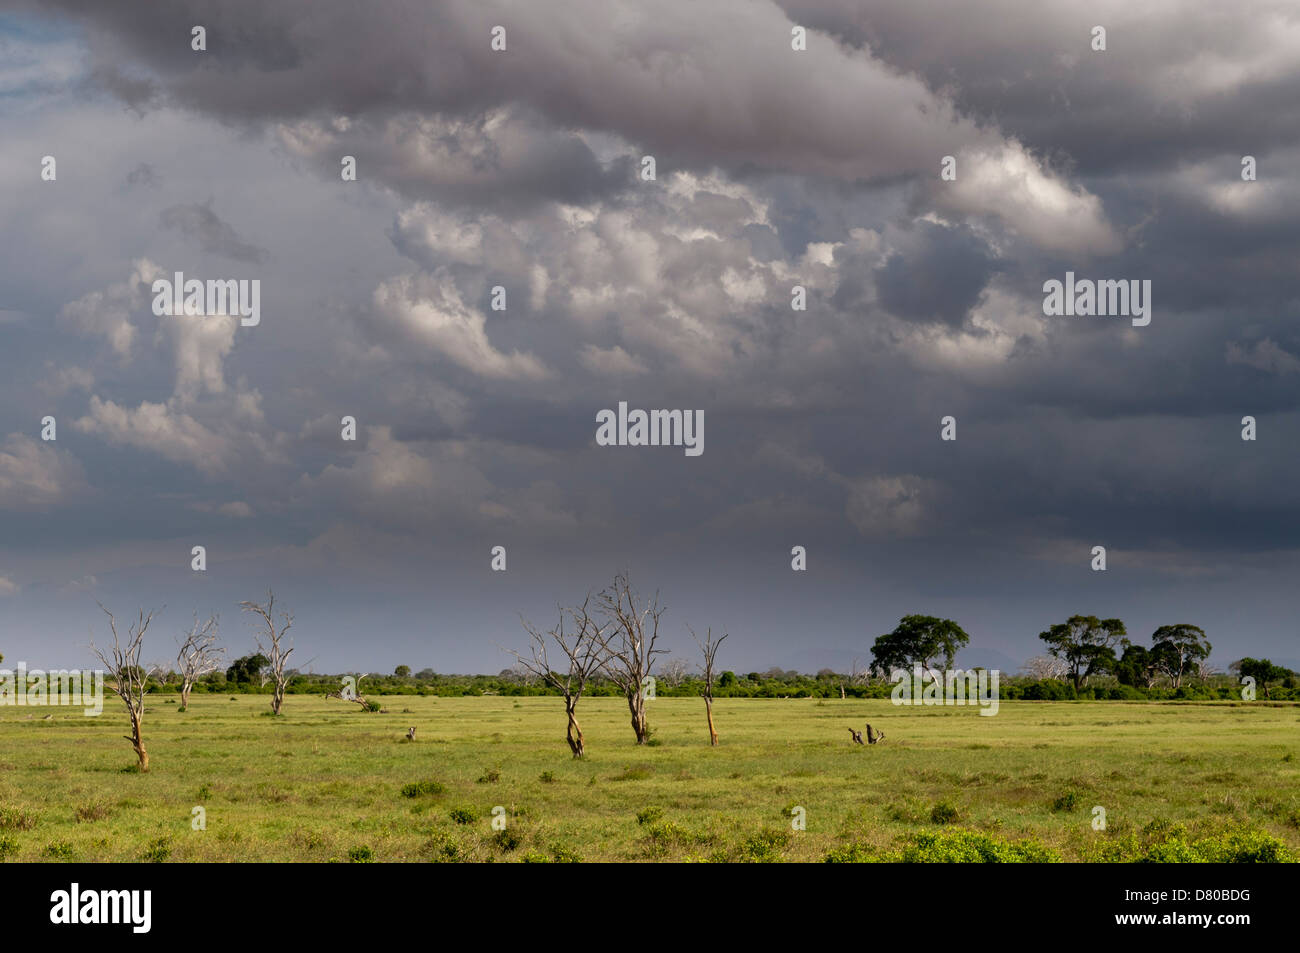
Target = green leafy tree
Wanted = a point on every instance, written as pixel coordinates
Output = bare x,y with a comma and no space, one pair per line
1180,647
247,669
1086,644
402,671
917,639
1137,667
1262,670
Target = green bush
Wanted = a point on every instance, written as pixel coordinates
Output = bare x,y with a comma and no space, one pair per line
1067,802
968,847
157,850
943,813
12,819
418,788
765,846
649,815
463,815
58,850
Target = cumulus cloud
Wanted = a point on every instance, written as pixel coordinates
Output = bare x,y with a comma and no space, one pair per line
108,313
428,312
35,475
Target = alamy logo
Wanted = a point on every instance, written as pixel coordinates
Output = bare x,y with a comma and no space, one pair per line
73,906
37,689
952,687
1105,298
655,428
215,296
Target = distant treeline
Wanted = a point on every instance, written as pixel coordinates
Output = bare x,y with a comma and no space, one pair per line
244,677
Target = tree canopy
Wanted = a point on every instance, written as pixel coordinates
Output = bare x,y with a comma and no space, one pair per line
917,639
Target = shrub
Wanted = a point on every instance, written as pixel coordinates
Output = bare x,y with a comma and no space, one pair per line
943,813
508,840
87,813
442,848
649,815
12,819
418,788
58,850
966,847
157,850
1067,802
463,815
490,776
546,777
849,854
8,846
1243,847
562,854
660,837
361,855
765,846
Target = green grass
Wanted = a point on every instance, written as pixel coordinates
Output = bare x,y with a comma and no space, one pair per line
328,782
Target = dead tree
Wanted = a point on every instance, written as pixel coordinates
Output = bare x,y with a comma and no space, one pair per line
410,734
874,737
129,676
709,648
859,674
857,736
629,647
269,638
199,655
352,693
674,672
584,647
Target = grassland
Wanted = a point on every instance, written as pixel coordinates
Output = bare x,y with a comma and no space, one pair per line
325,780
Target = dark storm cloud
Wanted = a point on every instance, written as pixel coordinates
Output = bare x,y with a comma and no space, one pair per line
1176,83
938,278
776,169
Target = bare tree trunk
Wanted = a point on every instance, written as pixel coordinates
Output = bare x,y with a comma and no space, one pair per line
709,646
628,651
574,735
269,644
585,651
137,742
199,655
130,678
636,705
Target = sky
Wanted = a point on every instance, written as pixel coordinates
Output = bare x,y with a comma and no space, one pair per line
523,169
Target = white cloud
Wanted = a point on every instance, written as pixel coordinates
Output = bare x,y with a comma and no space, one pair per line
107,313
431,312
610,362
33,474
